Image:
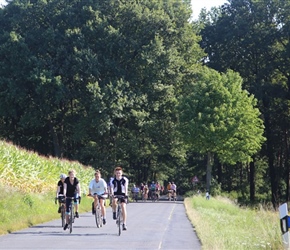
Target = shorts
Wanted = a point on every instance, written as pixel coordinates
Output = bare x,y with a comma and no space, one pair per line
102,196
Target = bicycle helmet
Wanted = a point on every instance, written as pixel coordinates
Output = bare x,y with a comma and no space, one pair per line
62,176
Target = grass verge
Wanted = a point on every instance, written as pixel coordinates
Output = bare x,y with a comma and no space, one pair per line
220,224
19,211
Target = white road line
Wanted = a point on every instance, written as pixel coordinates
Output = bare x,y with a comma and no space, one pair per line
169,218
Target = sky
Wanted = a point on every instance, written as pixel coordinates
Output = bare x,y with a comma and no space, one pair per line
197,5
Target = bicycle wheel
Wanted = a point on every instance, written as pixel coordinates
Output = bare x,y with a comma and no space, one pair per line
97,217
119,219
62,215
71,219
101,217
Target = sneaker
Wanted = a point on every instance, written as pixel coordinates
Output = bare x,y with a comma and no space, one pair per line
124,227
59,210
114,216
104,221
77,215
65,227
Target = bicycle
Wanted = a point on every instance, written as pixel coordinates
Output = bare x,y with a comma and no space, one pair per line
135,196
170,194
71,216
119,216
173,196
154,196
98,212
61,200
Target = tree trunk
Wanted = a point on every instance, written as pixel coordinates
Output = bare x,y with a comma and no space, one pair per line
208,170
272,169
252,181
56,145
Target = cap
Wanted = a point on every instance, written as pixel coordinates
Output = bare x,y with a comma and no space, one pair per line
62,176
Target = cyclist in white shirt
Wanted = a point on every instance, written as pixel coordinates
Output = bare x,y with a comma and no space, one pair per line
98,190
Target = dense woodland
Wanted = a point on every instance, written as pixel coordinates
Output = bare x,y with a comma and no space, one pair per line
141,84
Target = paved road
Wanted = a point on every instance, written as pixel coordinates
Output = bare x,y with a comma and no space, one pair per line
160,225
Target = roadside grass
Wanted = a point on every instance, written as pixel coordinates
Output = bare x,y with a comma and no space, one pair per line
19,210
220,224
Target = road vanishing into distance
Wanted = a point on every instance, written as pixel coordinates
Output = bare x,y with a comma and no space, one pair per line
151,225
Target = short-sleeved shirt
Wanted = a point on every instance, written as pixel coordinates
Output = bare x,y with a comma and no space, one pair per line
119,186
152,187
98,187
135,190
71,188
60,185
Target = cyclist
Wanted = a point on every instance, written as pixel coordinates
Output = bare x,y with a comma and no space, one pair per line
169,190
98,190
142,191
119,186
71,189
59,190
135,192
145,192
152,190
158,188
173,188
109,190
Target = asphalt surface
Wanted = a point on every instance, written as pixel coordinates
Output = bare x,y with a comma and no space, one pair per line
151,225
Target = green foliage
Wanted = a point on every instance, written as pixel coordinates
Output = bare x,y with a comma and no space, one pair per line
217,116
251,37
96,81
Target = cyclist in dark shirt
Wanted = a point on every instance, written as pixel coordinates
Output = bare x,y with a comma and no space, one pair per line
119,186
59,190
71,189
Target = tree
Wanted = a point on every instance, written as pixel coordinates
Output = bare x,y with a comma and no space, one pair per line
252,38
218,118
96,81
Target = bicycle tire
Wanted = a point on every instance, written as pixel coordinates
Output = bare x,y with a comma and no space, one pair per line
119,219
97,218
62,216
101,217
71,218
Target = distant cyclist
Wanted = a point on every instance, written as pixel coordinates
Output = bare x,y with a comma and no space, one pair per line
71,189
98,190
110,190
135,192
119,186
173,188
59,190
169,190
152,190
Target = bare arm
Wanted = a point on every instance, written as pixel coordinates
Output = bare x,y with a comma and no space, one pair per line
57,190
64,189
79,189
